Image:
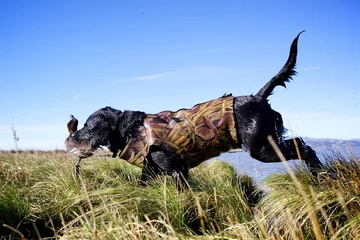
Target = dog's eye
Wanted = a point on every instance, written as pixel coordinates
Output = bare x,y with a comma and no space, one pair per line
90,125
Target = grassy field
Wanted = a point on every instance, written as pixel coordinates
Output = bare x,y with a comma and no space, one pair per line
40,197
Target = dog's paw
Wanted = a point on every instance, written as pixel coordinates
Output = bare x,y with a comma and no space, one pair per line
142,184
327,174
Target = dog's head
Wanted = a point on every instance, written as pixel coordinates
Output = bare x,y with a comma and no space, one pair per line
99,130
106,127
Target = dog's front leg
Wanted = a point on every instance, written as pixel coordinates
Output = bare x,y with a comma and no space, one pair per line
180,176
149,170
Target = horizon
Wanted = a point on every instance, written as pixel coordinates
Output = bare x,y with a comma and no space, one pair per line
62,57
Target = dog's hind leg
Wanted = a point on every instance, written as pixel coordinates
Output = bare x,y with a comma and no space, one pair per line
299,150
306,153
292,149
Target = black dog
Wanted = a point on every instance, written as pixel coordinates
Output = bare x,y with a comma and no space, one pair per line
172,142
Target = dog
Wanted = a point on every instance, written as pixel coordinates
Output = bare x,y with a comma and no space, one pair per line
173,142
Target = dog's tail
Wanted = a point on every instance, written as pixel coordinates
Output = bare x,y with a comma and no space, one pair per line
284,75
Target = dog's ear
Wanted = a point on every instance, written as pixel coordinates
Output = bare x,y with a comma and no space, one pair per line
129,122
72,125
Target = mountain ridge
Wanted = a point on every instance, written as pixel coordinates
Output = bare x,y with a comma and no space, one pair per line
328,145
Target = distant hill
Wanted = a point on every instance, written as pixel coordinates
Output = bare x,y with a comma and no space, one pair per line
328,145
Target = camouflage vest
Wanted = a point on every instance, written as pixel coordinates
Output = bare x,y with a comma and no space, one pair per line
195,134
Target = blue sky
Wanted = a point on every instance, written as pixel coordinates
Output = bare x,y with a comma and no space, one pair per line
73,57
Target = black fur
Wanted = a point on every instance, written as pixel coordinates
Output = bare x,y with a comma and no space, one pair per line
255,121
110,127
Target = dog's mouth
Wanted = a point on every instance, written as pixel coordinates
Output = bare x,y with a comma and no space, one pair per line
81,153
82,149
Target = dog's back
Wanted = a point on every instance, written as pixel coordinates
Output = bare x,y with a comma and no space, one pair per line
195,134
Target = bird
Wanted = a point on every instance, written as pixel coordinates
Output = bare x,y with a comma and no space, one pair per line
72,125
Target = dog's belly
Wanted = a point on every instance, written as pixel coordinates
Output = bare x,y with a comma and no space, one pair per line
201,152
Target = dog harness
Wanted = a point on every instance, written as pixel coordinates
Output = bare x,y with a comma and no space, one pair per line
195,134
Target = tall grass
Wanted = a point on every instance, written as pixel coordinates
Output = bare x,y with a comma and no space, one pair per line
40,197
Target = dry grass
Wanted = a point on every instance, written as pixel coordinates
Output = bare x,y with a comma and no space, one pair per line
41,197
